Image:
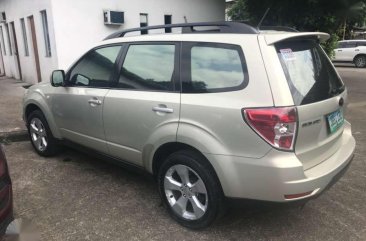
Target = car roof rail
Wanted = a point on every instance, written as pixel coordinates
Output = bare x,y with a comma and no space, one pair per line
278,28
222,27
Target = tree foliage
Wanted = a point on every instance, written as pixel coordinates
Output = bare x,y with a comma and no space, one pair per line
329,16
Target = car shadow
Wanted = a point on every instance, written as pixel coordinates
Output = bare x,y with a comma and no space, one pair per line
238,212
97,190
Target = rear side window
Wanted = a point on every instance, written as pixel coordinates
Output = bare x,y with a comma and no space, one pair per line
351,45
310,75
363,43
211,67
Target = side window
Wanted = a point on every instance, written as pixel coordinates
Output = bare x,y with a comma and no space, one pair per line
148,67
341,45
351,45
95,68
361,43
210,67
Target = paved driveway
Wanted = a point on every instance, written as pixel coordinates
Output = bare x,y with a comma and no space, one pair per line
76,197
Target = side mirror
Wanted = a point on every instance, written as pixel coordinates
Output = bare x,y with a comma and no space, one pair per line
58,78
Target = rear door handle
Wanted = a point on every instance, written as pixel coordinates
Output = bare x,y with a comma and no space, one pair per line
162,109
339,50
94,102
357,50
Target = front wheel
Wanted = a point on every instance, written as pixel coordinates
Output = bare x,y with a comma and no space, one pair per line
40,134
360,61
190,190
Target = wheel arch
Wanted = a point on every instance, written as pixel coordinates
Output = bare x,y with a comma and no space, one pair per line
31,106
29,109
358,55
163,151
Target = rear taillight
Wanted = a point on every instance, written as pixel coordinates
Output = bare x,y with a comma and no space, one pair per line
277,126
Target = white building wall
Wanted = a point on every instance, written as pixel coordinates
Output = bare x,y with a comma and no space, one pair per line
79,24
15,10
9,59
76,25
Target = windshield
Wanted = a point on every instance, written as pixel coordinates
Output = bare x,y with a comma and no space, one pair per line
310,75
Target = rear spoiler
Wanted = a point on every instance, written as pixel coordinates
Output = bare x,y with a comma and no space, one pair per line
272,38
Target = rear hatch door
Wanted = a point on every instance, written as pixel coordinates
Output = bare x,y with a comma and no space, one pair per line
320,97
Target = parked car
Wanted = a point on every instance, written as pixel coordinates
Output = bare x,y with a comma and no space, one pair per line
353,51
232,112
6,195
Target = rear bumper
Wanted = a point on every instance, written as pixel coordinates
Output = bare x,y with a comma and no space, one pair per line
278,173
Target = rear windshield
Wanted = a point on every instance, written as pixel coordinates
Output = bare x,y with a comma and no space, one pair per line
310,75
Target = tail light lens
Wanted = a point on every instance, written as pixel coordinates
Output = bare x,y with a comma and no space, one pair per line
277,126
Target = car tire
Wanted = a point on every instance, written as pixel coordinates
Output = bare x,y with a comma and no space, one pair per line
360,61
40,134
190,189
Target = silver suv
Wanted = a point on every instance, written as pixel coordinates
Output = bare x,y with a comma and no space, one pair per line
228,112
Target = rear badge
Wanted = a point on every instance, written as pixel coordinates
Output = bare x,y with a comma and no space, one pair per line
310,123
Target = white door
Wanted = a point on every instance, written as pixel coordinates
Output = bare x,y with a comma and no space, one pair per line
347,51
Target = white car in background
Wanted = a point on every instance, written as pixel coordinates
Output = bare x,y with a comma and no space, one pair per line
351,51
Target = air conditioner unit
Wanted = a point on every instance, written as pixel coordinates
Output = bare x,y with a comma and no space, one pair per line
113,17
2,17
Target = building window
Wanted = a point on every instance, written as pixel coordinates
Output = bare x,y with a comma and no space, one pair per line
3,16
168,20
46,34
2,39
25,39
9,41
143,22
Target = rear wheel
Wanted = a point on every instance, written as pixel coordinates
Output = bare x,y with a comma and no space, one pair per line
190,190
360,61
40,134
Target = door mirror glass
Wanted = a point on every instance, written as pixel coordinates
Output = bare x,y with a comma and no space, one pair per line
58,78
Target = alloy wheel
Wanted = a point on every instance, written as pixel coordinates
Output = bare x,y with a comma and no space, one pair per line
185,192
360,62
38,134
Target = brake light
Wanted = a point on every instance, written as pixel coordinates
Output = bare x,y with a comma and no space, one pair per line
277,126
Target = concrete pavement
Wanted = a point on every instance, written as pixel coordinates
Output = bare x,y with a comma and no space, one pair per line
77,197
11,123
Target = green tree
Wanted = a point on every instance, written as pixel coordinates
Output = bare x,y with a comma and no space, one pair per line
331,16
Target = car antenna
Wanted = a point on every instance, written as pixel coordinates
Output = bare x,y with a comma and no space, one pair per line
262,19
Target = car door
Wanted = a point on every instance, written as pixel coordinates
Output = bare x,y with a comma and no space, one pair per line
340,52
361,47
143,108
350,51
78,107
